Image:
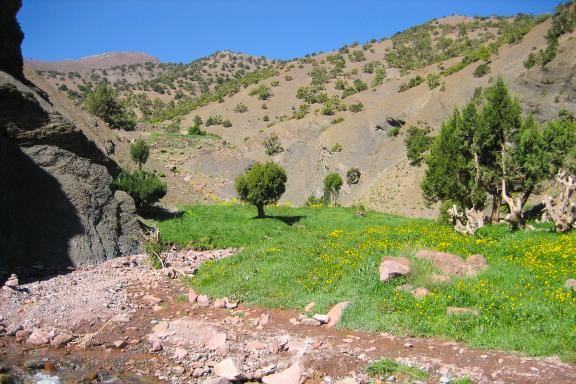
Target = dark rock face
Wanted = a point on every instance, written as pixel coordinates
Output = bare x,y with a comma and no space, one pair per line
57,207
10,39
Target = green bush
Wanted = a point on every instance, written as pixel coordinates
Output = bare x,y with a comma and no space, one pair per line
332,184
272,145
337,120
353,176
433,80
144,187
214,120
139,152
240,108
360,86
413,82
226,123
356,107
481,70
263,92
263,184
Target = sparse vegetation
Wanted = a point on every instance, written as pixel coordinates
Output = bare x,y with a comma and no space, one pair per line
355,108
103,102
272,145
417,143
240,108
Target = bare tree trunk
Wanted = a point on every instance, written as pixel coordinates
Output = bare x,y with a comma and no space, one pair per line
560,209
260,208
466,223
496,204
515,217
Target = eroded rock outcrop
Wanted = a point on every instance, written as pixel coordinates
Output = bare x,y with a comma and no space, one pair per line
57,206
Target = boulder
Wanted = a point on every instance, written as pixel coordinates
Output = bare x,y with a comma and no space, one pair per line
203,301
335,313
420,293
292,375
323,319
229,369
192,296
39,337
454,265
310,321
220,303
61,339
570,284
391,267
217,342
12,282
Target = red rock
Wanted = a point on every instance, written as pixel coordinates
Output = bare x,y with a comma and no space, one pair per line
335,313
22,334
391,267
256,345
180,353
156,346
454,265
570,284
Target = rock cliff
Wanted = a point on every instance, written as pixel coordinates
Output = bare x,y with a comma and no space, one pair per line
57,204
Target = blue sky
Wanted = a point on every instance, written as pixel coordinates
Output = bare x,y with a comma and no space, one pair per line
180,30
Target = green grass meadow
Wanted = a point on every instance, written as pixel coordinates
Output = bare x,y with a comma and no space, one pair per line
328,255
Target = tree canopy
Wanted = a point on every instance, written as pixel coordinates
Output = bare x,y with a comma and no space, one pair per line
261,185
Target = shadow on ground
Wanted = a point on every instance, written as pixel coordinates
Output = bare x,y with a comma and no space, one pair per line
288,220
161,213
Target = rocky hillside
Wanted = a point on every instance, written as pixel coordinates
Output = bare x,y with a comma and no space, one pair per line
102,61
349,108
57,207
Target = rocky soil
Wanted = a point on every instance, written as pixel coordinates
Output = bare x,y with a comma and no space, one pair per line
122,321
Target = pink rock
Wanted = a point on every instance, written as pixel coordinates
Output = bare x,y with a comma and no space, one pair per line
180,353
310,321
12,282
156,346
264,319
61,339
391,267
570,284
420,293
309,307
39,337
323,319
454,265
203,301
292,375
256,345
217,342
229,369
119,344
192,296
219,303
335,313
22,334
152,300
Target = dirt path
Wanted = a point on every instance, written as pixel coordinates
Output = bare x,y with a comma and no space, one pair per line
123,321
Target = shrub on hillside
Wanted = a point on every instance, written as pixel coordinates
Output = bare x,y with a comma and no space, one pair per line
144,187
332,184
356,107
240,108
353,176
481,70
263,92
103,103
139,152
272,145
214,120
226,123
261,185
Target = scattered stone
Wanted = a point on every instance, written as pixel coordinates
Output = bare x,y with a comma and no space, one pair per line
231,305
309,307
219,303
39,337
61,339
462,311
22,335
335,313
256,346
12,329
217,342
264,319
294,321
408,345
12,282
180,353
292,375
445,380
152,300
156,346
347,380
391,267
323,319
119,344
229,369
203,301
420,293
192,296
391,379
570,284
310,321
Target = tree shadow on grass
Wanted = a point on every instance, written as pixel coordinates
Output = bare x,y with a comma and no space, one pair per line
160,213
288,220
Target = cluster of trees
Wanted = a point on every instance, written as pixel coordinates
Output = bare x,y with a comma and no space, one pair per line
488,153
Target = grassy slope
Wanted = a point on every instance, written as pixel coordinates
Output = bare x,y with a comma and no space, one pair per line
329,255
